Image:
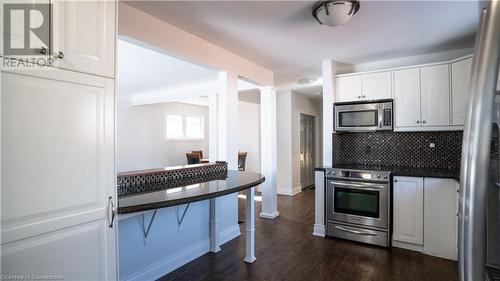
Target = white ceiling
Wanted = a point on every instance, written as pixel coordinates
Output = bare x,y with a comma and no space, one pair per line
142,69
283,36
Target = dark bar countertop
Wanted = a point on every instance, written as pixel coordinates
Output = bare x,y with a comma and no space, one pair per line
171,196
403,171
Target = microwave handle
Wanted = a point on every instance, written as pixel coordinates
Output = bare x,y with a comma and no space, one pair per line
381,118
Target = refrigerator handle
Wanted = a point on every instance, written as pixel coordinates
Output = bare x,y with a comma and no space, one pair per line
476,146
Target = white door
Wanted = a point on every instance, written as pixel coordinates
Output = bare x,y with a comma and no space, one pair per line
84,33
460,81
435,85
348,88
57,175
440,217
408,196
377,85
407,97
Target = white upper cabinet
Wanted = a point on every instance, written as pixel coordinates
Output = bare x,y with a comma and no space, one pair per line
21,45
460,81
435,95
84,36
407,97
376,85
371,86
348,88
408,214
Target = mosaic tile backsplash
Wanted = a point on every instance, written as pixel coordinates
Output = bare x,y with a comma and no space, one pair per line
405,149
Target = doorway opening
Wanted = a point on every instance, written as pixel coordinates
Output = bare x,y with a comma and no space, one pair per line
307,150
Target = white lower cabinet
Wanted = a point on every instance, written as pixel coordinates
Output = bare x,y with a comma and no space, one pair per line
408,214
58,175
440,217
425,215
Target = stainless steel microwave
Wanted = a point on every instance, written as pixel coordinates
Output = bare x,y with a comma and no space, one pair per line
363,116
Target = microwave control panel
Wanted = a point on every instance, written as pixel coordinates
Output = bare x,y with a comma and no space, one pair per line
387,117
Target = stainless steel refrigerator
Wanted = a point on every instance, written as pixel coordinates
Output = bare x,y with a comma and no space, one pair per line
479,215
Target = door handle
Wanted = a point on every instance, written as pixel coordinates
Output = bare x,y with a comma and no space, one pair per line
111,212
363,186
368,233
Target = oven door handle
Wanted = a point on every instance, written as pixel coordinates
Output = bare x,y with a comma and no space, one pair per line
363,186
367,233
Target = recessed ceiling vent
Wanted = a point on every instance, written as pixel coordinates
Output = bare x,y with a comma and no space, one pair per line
336,12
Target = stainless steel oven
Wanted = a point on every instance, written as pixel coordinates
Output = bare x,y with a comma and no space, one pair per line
363,116
358,205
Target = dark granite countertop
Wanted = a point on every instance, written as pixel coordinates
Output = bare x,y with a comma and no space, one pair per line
172,196
403,171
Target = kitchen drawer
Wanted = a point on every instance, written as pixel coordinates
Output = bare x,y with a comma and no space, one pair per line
349,232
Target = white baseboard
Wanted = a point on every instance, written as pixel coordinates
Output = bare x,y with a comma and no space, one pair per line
229,234
297,189
319,230
270,215
197,250
288,192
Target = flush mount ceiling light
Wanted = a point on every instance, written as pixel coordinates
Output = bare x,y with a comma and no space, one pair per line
306,81
335,12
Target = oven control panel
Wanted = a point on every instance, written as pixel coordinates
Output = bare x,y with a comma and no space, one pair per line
350,174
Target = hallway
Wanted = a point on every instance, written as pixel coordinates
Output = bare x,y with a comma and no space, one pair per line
286,250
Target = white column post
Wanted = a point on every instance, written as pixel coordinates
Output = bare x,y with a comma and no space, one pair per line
228,119
250,226
223,114
214,225
328,69
268,152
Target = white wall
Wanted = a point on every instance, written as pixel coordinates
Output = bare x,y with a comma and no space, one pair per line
140,140
289,107
249,134
284,138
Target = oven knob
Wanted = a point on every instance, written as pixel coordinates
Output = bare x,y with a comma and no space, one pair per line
385,176
334,173
378,176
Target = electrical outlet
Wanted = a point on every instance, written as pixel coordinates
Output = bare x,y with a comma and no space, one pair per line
432,145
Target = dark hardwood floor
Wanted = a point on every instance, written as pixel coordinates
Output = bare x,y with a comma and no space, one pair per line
286,250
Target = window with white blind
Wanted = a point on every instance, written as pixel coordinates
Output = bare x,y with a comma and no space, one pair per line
183,127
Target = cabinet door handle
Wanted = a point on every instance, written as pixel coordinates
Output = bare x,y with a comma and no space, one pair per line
423,122
111,212
60,55
43,50
395,180
418,121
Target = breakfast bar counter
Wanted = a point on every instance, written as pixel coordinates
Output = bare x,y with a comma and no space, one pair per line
171,196
143,193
